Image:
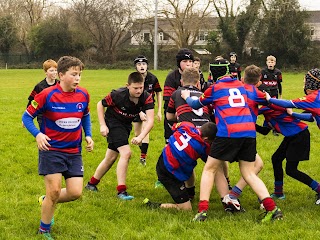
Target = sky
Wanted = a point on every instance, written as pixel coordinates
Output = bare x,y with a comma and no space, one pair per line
310,4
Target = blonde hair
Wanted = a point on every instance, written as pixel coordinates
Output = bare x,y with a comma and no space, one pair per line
190,76
48,64
252,74
271,58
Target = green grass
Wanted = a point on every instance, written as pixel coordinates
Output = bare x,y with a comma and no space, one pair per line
101,215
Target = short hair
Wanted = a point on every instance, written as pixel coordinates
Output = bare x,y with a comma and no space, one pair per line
48,64
135,77
271,58
252,74
66,62
190,75
209,130
218,57
196,59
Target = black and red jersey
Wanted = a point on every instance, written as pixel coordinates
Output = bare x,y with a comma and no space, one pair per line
120,107
38,88
235,70
271,80
170,85
151,84
184,112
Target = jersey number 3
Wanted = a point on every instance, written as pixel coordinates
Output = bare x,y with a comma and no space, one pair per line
185,138
235,98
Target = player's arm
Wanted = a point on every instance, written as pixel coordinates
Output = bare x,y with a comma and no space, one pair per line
171,116
193,103
104,130
159,101
147,127
86,125
280,102
302,116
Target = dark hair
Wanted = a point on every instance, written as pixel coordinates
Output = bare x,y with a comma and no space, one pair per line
219,68
135,77
184,54
140,58
66,62
209,130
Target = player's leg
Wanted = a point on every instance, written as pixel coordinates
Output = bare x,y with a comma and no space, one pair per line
277,159
190,185
103,168
72,191
122,168
53,189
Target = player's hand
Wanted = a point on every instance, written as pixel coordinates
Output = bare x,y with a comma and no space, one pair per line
185,94
136,140
23,125
104,130
90,144
42,142
289,111
143,116
159,116
268,96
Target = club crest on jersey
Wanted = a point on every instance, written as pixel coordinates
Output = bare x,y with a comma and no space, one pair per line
302,98
34,104
150,86
79,107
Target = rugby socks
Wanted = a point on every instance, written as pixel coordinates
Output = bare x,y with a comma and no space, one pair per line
235,192
315,186
44,227
191,192
278,188
269,204
121,188
203,205
94,181
144,149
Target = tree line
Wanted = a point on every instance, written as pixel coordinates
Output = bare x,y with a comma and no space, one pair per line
99,31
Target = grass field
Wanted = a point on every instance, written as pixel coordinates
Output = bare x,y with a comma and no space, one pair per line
102,216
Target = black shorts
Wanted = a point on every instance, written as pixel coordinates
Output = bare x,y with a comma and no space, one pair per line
68,164
233,149
295,148
118,133
175,187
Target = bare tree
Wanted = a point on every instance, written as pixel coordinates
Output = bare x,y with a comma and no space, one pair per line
185,18
26,15
108,23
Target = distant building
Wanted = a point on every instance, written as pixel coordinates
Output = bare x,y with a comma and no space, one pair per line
142,31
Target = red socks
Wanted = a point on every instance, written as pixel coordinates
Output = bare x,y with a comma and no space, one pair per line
269,204
203,205
94,181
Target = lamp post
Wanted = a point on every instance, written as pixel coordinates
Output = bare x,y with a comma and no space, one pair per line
155,47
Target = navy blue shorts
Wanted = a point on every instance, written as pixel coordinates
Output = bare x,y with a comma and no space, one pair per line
68,164
234,149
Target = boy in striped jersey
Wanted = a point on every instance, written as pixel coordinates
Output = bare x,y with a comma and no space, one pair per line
65,112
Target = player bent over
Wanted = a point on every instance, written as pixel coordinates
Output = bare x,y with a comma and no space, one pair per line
179,158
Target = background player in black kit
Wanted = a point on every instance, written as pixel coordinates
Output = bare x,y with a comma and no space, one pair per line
152,86
184,60
234,66
271,78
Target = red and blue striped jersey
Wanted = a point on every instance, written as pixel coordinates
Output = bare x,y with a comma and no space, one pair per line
310,103
185,146
62,113
281,121
232,113
255,98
